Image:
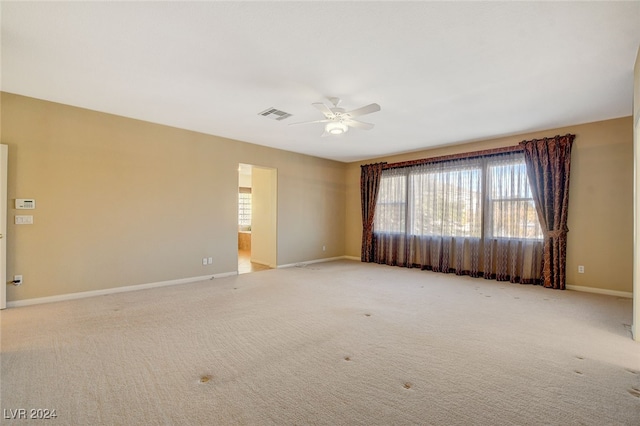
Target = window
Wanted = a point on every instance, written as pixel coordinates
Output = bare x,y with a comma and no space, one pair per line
244,207
391,206
511,210
448,199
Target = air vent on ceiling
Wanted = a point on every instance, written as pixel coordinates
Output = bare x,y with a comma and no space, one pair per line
275,114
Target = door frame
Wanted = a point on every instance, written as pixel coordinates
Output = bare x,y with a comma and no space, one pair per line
268,254
635,320
4,154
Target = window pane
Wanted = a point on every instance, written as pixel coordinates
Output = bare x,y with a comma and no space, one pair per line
392,203
447,200
515,219
512,212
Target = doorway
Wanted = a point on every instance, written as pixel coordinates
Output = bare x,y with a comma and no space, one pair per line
257,210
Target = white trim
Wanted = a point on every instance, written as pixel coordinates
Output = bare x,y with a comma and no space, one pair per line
617,293
262,262
351,258
92,293
4,155
224,275
307,262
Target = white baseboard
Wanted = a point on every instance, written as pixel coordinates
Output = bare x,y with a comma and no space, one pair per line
84,294
308,262
351,258
263,262
617,293
92,293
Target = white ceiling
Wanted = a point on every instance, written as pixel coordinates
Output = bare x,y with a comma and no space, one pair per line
443,72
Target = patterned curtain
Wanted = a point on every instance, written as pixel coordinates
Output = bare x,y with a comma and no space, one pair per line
369,186
548,164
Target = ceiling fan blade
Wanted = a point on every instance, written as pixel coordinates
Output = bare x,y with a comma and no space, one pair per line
309,122
358,124
368,109
324,109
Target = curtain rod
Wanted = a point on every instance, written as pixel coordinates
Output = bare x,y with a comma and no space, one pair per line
474,154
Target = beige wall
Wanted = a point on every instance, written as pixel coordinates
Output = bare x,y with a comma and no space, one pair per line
123,202
244,180
600,201
264,197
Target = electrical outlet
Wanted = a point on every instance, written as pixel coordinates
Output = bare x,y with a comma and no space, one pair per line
324,248
204,260
210,260
580,269
17,279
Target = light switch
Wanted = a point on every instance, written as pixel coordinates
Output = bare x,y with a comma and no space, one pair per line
24,220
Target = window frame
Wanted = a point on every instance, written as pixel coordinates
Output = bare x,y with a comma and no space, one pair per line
402,204
489,228
450,170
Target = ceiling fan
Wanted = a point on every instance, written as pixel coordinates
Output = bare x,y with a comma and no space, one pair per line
338,120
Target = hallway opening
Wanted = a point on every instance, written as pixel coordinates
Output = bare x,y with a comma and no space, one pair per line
257,195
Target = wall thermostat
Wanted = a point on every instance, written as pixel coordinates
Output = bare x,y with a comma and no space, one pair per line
25,203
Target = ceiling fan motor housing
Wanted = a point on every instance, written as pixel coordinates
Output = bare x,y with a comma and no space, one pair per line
337,113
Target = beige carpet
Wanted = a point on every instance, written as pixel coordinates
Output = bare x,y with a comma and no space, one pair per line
328,344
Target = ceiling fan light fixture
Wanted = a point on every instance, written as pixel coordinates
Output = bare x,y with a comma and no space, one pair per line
336,128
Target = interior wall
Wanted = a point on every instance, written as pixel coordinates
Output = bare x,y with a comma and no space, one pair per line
244,180
123,202
264,196
600,200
